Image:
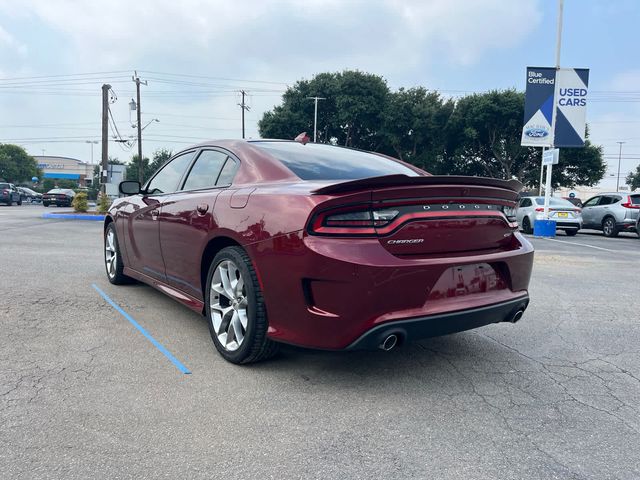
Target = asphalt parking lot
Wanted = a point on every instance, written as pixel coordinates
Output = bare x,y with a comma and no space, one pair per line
84,395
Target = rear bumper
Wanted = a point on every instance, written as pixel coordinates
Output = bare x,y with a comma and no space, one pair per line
328,292
627,224
564,225
436,325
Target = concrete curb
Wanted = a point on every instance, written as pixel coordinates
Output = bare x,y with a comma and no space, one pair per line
73,216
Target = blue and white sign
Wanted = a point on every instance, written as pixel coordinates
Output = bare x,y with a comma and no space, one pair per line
571,107
538,107
555,107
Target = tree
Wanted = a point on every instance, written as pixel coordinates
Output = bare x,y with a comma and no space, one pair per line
132,171
414,126
483,138
160,157
633,179
16,165
351,115
478,134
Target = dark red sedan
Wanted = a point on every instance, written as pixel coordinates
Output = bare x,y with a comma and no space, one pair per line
320,246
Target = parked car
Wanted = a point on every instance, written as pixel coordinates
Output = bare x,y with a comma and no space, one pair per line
612,213
567,216
62,197
9,194
29,196
320,246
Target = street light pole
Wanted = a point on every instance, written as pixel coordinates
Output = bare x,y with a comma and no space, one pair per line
315,116
619,160
92,142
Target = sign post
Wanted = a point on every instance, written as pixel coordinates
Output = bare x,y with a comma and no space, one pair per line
554,112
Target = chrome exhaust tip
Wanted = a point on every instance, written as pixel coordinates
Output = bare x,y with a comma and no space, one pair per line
517,316
388,343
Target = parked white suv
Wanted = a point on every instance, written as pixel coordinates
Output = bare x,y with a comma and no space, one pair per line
612,213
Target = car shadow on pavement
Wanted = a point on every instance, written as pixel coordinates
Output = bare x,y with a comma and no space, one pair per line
450,363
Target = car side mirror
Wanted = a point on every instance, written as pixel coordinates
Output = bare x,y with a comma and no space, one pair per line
129,187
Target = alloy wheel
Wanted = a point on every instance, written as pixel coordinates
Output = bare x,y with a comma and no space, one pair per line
608,227
110,253
229,303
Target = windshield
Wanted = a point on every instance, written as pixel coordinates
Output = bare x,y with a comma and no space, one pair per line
327,162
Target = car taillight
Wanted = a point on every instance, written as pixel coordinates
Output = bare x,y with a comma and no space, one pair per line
539,209
354,221
630,204
577,210
5,192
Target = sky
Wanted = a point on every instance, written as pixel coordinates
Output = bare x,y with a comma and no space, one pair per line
195,55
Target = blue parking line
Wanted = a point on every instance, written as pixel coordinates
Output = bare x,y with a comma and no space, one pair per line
141,329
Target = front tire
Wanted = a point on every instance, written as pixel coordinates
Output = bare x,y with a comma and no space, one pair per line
112,257
571,233
235,309
609,227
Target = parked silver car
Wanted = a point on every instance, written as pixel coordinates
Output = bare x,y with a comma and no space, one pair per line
566,215
612,213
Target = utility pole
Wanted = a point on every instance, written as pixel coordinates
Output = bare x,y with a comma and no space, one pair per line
105,138
619,160
315,116
136,79
243,106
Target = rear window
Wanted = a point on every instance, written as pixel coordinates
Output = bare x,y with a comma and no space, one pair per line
555,202
55,190
4,185
326,162
634,199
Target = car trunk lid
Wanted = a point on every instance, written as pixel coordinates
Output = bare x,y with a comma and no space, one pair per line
436,214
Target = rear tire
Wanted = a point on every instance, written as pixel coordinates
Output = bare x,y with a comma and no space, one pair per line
571,233
234,302
526,226
609,227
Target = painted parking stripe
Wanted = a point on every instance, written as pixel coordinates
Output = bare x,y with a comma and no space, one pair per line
582,245
141,329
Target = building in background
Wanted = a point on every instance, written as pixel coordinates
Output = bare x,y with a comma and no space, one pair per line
65,168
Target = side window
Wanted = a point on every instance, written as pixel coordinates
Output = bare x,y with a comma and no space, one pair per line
167,179
615,199
605,201
205,170
228,172
592,202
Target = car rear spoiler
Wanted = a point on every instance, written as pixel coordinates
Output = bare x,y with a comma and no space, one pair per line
406,181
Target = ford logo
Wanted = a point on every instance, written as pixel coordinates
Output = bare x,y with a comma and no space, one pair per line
536,132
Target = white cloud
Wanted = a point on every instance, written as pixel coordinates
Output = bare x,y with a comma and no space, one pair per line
281,40
9,42
288,31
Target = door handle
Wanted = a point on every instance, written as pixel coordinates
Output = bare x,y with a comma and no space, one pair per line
202,208
154,214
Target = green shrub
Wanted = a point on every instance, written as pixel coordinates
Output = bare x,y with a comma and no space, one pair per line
80,203
104,202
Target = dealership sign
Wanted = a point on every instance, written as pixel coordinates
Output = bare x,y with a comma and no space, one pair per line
555,107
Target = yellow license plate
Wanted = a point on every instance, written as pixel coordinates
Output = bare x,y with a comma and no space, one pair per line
563,214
